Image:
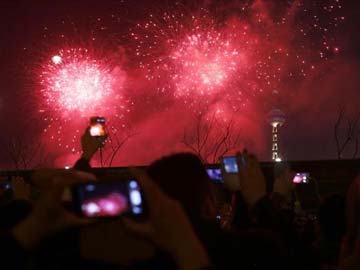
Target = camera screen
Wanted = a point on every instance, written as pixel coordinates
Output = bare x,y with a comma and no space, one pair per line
230,165
97,126
301,178
215,175
109,199
97,130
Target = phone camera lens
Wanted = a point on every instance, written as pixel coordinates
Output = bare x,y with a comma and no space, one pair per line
90,188
137,210
133,184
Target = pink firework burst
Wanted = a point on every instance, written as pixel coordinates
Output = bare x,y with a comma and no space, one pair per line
194,57
75,85
204,62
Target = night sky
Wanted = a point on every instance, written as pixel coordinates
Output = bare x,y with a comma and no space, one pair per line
160,64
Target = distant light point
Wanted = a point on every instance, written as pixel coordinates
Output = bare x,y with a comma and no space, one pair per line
56,59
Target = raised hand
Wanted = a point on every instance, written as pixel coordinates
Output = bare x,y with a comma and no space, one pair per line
48,215
251,179
168,227
91,144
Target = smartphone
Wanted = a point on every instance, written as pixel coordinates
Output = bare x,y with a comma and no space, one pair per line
97,126
108,199
301,178
215,175
230,164
307,192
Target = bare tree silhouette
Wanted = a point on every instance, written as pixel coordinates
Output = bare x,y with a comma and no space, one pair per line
114,143
347,133
24,155
211,139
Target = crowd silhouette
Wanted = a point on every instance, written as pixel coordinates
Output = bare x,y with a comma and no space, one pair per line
191,222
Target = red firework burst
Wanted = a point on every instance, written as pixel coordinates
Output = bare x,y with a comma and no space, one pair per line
204,63
189,52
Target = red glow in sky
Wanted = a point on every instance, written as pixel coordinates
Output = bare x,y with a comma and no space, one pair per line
202,58
154,65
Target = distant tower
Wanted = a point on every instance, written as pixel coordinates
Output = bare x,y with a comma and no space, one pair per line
276,118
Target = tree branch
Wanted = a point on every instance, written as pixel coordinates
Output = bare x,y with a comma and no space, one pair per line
336,130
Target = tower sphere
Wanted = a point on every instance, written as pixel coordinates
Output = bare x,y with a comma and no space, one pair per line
276,117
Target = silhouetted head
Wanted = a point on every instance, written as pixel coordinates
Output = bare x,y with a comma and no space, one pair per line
13,212
331,216
352,216
183,177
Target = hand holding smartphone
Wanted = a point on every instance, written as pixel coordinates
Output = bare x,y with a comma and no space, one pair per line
97,126
230,170
215,175
306,190
230,165
103,199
